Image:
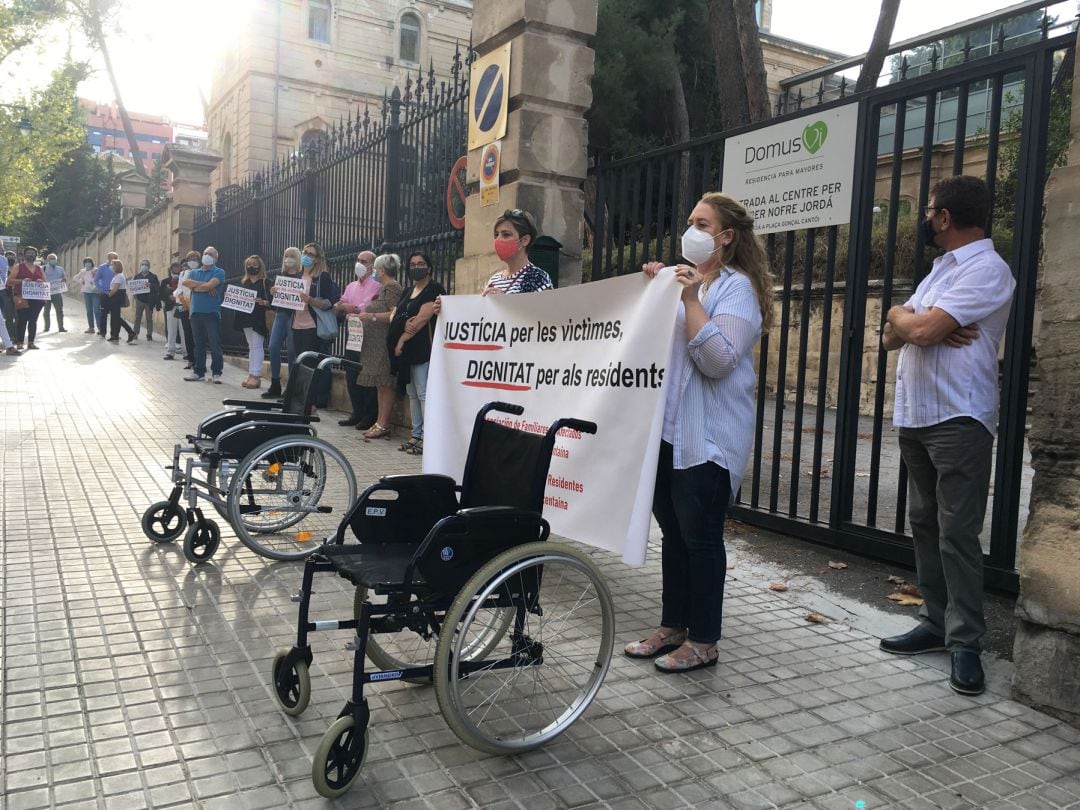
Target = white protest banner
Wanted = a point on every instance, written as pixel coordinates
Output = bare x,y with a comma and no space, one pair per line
592,351
35,290
288,292
238,298
797,174
138,286
355,340
58,287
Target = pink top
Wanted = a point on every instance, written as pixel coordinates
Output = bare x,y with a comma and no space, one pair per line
361,293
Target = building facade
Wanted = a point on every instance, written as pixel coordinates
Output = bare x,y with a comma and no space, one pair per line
302,65
105,133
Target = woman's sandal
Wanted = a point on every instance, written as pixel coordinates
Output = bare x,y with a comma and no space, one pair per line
407,446
376,431
658,643
417,449
688,658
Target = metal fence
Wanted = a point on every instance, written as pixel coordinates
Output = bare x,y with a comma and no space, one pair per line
825,465
372,183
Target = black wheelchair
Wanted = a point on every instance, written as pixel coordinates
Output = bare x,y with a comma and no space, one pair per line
263,468
515,632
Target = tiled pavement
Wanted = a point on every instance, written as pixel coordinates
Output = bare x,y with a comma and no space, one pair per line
132,679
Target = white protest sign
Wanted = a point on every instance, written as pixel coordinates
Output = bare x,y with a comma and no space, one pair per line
288,292
58,287
138,286
355,340
35,290
593,351
797,174
238,298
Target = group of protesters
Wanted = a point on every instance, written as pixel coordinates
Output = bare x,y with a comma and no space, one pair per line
21,313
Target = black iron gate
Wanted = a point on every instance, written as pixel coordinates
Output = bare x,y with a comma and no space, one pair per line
372,183
824,384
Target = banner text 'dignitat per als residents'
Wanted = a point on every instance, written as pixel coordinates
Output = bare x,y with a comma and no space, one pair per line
596,352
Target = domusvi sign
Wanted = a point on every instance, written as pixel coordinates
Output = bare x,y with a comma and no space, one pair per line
797,174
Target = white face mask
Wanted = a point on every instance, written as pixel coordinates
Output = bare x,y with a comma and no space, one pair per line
291,262
697,246
361,270
193,265
208,260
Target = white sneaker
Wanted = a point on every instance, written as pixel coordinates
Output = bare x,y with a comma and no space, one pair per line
193,377
216,379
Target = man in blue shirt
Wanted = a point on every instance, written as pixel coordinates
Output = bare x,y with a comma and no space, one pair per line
207,286
53,274
102,280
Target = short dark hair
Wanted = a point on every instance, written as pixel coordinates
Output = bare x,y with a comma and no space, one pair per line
966,198
422,255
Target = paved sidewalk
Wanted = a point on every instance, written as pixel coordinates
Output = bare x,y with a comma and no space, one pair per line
132,679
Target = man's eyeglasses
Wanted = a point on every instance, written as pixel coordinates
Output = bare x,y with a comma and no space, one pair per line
926,211
418,266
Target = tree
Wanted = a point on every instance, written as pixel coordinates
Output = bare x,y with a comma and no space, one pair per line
22,20
741,81
95,16
81,195
159,180
879,46
27,162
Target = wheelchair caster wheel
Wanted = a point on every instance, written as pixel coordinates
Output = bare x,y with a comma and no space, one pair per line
339,757
292,684
201,542
164,521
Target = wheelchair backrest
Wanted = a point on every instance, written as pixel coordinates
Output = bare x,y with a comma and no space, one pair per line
505,467
300,389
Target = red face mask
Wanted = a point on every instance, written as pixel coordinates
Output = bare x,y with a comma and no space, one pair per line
506,248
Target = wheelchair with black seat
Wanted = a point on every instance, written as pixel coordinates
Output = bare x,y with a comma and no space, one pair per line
515,632
263,468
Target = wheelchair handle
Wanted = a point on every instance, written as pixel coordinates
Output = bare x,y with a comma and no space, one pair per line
580,425
505,407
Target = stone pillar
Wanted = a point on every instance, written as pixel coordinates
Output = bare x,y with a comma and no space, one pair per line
544,154
133,188
191,170
1047,644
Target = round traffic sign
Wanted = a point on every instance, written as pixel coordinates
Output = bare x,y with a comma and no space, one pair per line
455,193
489,163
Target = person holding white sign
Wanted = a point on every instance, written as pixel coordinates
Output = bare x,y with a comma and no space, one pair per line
281,329
322,294
54,274
357,295
374,355
253,323
708,424
515,231
26,311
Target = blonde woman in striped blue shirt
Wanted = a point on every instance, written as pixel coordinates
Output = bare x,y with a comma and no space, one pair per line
708,424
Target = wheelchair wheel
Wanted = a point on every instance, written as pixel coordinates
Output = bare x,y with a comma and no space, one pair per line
292,684
288,495
201,542
408,648
559,648
339,757
163,522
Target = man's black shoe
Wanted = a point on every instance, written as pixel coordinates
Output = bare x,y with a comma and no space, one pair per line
350,422
967,673
914,642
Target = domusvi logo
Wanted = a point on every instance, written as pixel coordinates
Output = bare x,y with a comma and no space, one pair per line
813,137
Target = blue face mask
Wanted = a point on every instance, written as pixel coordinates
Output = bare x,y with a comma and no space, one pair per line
306,260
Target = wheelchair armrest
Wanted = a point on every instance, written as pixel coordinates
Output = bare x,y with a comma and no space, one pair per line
246,426
271,416
256,405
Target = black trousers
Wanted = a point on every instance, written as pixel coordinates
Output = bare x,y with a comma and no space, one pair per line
365,402
26,321
110,309
189,336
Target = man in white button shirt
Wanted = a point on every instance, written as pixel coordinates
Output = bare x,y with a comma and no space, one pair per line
946,408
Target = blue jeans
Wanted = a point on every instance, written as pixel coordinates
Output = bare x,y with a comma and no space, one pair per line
690,505
206,328
280,335
92,302
417,391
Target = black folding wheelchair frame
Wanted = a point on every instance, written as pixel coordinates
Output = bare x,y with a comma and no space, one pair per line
515,632
265,471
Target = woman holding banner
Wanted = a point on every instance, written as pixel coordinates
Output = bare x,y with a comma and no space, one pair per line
253,323
26,310
374,357
708,425
322,293
281,329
